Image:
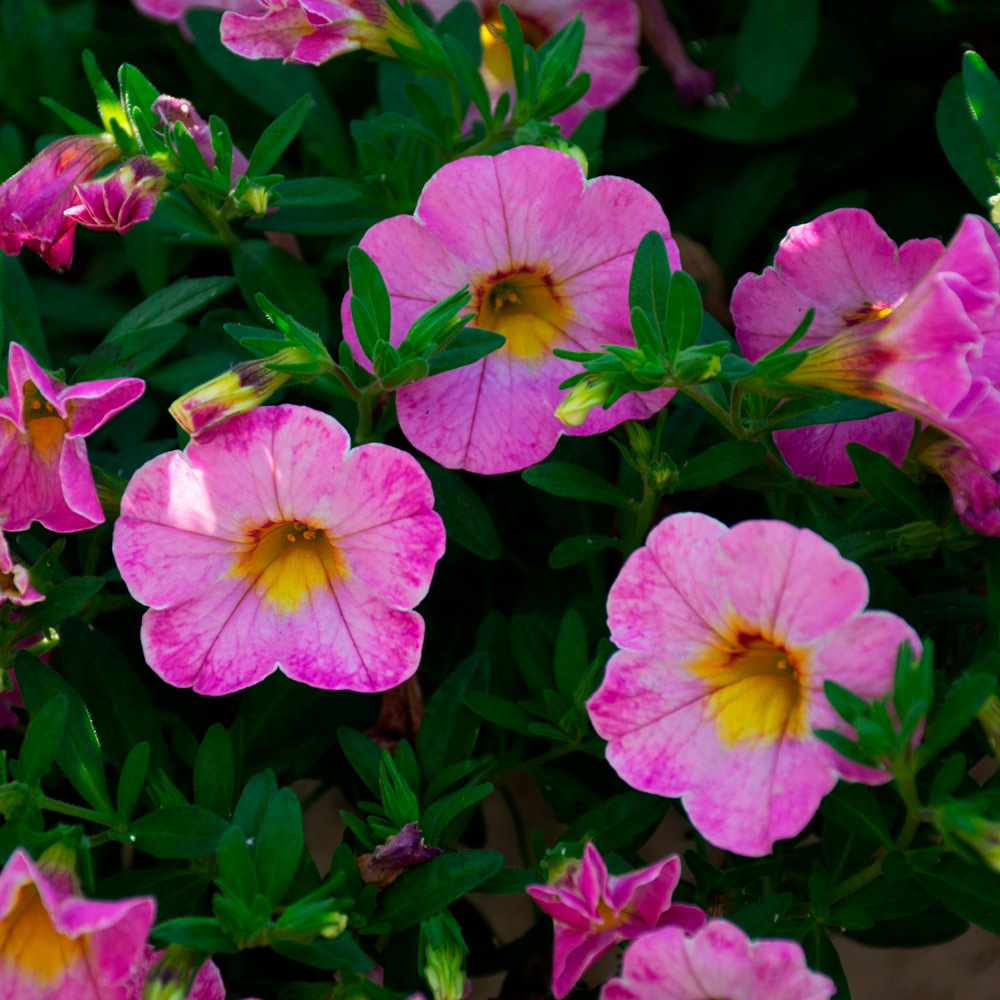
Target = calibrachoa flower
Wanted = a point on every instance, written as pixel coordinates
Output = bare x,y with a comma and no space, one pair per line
974,491
592,911
312,31
273,545
207,984
44,471
124,197
718,961
725,638
918,331
57,945
847,269
610,52
174,11
15,584
33,202
547,255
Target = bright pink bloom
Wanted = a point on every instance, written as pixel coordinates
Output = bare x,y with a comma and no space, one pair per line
592,911
44,471
847,269
273,545
725,638
174,11
610,52
718,961
974,491
15,584
33,202
119,200
919,330
547,255
57,945
207,983
312,31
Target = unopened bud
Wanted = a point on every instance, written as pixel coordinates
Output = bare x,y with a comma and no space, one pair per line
989,718
696,366
334,924
994,203
638,438
592,390
571,149
255,198
660,476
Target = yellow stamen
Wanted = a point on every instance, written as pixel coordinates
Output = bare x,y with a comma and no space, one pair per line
525,307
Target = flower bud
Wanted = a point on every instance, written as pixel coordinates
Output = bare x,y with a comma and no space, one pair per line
122,198
592,390
444,955
571,149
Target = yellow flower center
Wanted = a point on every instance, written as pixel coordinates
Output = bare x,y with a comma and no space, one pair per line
867,312
525,308
609,919
286,561
30,943
496,64
43,425
757,691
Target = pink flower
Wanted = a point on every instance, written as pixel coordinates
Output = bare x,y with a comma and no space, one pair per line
592,911
207,983
974,491
847,269
57,945
270,544
718,961
547,255
44,471
693,83
919,330
312,31
15,584
33,201
610,52
178,109
174,11
121,199
725,638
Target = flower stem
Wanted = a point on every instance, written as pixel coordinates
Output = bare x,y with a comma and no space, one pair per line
77,812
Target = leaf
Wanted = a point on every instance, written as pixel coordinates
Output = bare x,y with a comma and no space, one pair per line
684,313
132,354
19,318
720,462
829,413
199,933
571,661
466,519
362,754
447,733
341,954
60,602
172,303
288,282
465,348
215,771
41,741
276,137
367,287
963,142
618,822
499,711
972,892
177,832
254,802
131,780
576,548
237,876
963,700
426,889
888,485
776,39
983,92
279,845
564,479
855,808
822,956
649,281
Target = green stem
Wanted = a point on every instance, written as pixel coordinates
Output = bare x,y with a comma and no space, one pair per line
709,406
736,411
221,227
364,427
642,518
77,812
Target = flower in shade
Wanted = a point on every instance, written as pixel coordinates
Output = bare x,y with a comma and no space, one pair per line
610,52
174,11
717,961
592,911
402,850
693,83
179,109
919,331
44,471
15,584
33,202
974,491
121,199
312,31
547,255
726,636
58,945
274,545
843,266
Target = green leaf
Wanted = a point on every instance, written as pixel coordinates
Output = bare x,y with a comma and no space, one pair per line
465,348
362,754
447,733
963,143
341,954
972,892
684,313
291,284
237,876
254,802
776,40
576,548
60,602
426,889
132,779
467,72
649,282
822,956
131,354
79,754
846,704
279,845
499,711
41,741
177,832
564,479
199,933
368,287
465,516
983,92
720,462
963,700
172,303
19,318
888,485
829,413
618,822
215,771
571,661
277,136
855,808
514,39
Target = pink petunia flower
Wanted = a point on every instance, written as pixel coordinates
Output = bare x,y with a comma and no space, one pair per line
15,584
175,11
974,491
718,961
592,911
918,330
58,945
33,202
273,545
725,638
547,255
115,203
847,269
44,471
610,52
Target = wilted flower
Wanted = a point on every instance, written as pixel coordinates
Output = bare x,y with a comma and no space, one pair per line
547,254
974,491
34,201
402,850
44,471
58,945
15,584
273,545
726,636
592,911
717,961
121,199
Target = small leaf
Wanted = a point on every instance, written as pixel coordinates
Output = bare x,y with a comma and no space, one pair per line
466,519
41,741
177,832
446,733
649,281
720,462
499,711
60,602
237,876
564,479
465,348
341,954
963,700
970,891
684,313
571,661
254,802
215,771
855,808
132,779
887,484
279,845
776,39
199,933
576,548
276,137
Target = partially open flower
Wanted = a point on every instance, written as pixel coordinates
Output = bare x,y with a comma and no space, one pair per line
15,584
121,199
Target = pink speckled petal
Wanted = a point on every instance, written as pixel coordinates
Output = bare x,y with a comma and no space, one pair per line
273,34
95,403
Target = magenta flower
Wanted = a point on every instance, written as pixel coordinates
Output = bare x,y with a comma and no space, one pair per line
547,255
974,491
725,638
592,911
610,52
15,584
33,202
918,330
312,31
121,199
207,983
57,945
270,544
178,109
718,961
847,269
174,11
44,471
